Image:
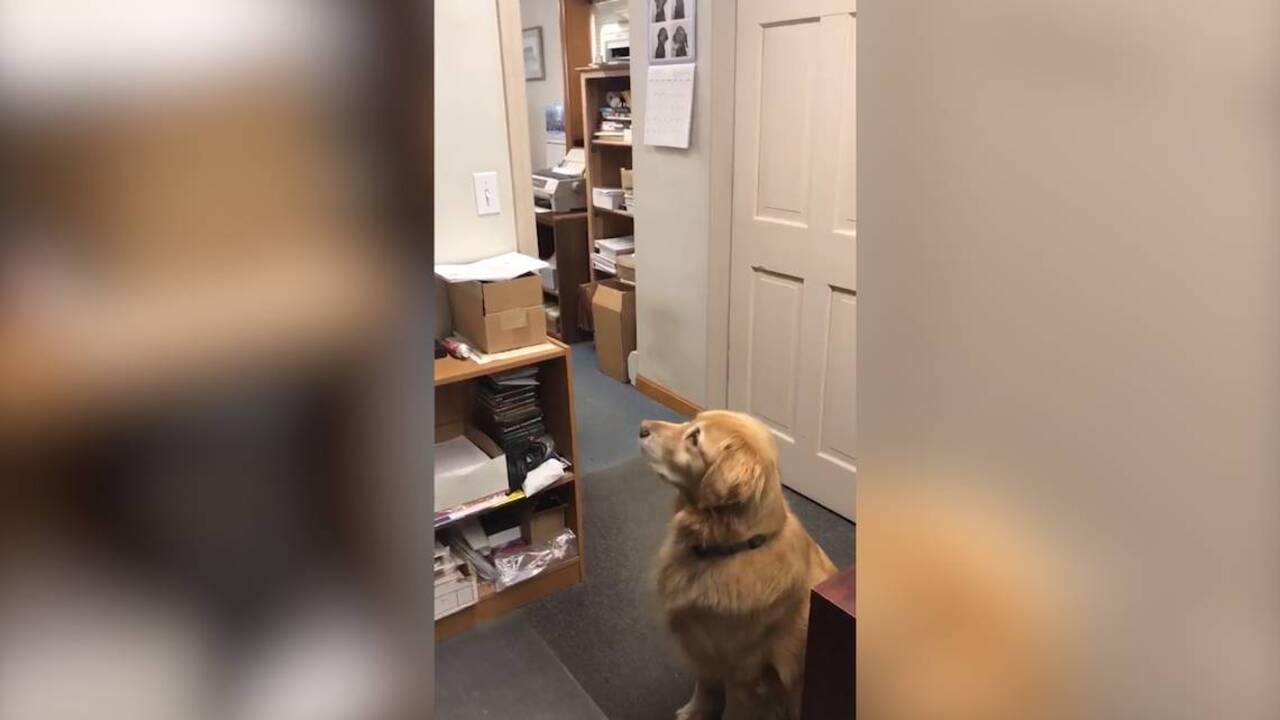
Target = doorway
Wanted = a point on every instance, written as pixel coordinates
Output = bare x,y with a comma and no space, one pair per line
792,265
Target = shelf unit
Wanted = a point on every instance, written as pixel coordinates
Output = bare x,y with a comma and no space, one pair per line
605,158
455,405
565,236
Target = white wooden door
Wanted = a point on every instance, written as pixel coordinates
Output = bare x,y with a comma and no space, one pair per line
793,300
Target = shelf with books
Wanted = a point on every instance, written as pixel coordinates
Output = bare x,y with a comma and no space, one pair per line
606,108
460,399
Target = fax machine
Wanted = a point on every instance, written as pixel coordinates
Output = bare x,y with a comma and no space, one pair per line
562,188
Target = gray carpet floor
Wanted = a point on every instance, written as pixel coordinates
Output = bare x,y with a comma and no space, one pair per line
598,649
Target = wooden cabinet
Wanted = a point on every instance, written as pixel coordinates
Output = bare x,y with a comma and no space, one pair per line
455,404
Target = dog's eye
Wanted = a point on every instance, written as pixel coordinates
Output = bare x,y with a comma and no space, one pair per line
693,436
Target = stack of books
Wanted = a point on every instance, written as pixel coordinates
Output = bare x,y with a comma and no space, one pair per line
509,411
615,123
608,250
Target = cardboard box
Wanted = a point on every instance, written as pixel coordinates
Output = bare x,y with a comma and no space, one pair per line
542,526
626,265
499,316
468,465
613,309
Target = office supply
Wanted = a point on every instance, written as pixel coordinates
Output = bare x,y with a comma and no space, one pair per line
543,476
609,198
613,248
603,264
626,267
499,267
468,465
562,188
668,111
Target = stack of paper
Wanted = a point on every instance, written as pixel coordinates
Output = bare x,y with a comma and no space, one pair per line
455,583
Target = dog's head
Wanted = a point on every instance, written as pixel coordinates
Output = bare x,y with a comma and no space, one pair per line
681,37
718,458
662,35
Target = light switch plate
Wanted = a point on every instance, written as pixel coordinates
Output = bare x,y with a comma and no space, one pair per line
487,193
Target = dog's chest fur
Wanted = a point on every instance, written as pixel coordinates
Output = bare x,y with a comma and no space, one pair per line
728,613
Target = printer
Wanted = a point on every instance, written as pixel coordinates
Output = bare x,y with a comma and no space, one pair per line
562,188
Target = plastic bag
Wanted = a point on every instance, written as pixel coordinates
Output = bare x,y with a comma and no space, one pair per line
523,564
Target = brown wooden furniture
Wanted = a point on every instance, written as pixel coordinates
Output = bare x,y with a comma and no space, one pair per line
455,404
575,44
605,158
565,235
828,660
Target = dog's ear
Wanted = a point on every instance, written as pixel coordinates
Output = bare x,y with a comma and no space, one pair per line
738,475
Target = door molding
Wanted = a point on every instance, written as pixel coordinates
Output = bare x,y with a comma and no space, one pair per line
721,64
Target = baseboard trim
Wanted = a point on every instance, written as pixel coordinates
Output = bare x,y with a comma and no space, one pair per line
666,397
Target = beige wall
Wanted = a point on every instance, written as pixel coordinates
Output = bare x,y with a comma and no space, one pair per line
541,93
673,220
471,131
1069,308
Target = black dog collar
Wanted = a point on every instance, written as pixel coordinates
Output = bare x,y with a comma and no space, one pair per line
751,543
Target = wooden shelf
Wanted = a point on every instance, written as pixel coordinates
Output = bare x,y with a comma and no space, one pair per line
606,158
607,70
493,603
567,479
619,213
456,405
551,218
451,370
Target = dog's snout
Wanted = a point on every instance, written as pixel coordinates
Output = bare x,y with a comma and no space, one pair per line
644,429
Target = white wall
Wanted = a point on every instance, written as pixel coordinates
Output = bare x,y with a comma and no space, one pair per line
541,93
471,132
672,228
1069,307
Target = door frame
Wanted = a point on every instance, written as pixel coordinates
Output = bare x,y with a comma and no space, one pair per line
721,64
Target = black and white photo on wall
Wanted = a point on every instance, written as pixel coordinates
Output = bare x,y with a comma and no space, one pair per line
671,31
534,65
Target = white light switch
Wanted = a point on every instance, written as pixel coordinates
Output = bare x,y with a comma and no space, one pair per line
487,193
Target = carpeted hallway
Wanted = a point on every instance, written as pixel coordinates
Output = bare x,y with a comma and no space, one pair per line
596,650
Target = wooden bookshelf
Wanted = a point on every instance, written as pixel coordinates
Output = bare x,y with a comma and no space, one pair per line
455,404
565,236
605,158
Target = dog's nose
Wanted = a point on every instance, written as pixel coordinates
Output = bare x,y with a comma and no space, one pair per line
644,429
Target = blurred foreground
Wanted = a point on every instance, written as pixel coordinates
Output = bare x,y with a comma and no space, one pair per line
203,511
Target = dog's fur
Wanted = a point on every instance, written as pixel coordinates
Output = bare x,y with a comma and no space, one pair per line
680,42
740,620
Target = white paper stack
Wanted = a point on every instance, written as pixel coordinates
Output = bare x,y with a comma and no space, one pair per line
611,248
455,583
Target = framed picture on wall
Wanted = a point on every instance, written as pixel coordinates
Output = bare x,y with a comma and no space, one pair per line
671,31
535,67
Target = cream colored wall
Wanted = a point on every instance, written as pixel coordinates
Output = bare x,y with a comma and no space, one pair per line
541,93
471,131
1069,308
673,221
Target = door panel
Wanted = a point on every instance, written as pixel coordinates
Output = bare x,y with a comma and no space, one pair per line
793,265
776,302
788,59
839,423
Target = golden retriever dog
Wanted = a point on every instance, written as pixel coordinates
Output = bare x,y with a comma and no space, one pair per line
736,567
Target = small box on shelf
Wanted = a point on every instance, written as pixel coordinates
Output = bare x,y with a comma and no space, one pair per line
501,315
